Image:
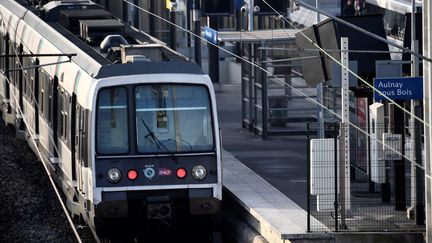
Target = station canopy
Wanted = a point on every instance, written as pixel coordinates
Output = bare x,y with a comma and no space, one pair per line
258,36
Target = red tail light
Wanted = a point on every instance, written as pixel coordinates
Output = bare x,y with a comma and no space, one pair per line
181,173
132,174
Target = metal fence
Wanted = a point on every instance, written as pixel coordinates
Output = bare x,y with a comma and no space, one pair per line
379,189
271,104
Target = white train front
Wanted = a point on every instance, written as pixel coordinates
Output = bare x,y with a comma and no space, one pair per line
120,138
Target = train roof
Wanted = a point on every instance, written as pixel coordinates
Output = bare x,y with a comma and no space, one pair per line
88,57
150,68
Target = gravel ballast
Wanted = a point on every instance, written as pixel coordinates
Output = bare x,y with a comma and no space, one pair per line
30,210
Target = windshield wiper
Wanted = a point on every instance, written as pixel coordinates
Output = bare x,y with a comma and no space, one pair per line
157,142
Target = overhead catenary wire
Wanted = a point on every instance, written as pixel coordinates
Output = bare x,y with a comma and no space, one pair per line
347,68
33,140
281,82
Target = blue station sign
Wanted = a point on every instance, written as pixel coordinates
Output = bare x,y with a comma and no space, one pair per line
406,88
211,35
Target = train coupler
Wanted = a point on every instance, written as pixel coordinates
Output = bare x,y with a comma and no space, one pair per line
159,207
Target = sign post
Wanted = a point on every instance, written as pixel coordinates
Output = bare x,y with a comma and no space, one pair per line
344,164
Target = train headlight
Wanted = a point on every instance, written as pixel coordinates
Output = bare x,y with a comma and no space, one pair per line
114,175
199,172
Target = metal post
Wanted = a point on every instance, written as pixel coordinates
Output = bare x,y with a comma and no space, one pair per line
420,213
251,15
320,98
385,187
264,98
189,14
239,27
152,19
173,30
214,53
414,103
371,183
427,75
308,174
336,203
257,87
399,165
344,172
197,28
318,17
251,118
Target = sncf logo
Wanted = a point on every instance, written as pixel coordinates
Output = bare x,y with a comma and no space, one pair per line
165,172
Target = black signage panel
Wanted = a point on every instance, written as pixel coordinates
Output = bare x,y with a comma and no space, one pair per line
217,7
279,5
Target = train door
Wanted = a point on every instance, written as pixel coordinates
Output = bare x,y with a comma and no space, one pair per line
73,136
79,146
35,91
55,113
20,83
12,77
4,65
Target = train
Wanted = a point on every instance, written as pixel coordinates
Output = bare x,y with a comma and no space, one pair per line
127,126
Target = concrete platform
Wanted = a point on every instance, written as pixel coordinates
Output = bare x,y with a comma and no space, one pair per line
273,215
277,219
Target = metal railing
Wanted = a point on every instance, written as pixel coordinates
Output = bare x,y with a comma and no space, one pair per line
383,193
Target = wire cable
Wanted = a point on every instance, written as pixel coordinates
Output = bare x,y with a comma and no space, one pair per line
283,84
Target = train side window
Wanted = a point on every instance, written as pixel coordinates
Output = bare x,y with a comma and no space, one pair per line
61,128
2,52
61,116
41,102
11,62
28,86
25,79
50,100
42,98
5,51
34,72
30,80
81,133
77,123
65,126
69,121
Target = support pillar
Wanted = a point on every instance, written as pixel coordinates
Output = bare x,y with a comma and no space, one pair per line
214,53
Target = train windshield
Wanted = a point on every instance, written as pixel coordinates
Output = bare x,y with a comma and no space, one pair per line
112,127
173,118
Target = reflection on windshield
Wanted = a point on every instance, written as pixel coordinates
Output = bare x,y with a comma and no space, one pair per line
178,116
112,126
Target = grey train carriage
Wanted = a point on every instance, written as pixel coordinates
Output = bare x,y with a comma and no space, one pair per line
125,128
